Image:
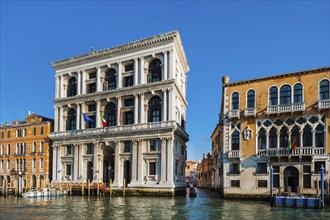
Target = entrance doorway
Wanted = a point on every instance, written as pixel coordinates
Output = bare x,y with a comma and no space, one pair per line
34,182
90,171
291,178
127,171
108,165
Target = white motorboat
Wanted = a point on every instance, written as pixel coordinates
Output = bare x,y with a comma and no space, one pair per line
30,194
45,193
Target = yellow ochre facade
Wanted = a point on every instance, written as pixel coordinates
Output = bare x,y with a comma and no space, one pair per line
280,121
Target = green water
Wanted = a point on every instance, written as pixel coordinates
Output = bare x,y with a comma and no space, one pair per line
207,205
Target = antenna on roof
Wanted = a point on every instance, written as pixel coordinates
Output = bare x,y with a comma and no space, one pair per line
93,49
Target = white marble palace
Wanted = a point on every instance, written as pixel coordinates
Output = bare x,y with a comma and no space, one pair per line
135,97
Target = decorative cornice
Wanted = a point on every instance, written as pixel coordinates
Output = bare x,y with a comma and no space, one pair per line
147,42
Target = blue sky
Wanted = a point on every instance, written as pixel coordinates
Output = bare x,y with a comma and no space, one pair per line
242,39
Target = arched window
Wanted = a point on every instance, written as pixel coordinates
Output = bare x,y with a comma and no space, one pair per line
284,137
307,137
155,109
295,136
72,87
297,93
319,136
273,96
324,89
34,146
71,120
41,146
110,79
235,101
262,139
34,163
41,163
235,140
285,95
155,71
251,99
110,112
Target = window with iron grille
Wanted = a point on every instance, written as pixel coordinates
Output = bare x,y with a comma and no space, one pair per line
262,183
235,183
152,168
307,181
262,168
127,146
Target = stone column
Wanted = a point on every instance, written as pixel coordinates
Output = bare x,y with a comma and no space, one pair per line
171,107
171,65
59,167
136,109
170,155
164,73
54,163
57,87
136,71
142,109
118,111
56,117
117,165
83,83
140,161
98,79
164,110
95,161
78,83
163,160
120,78
76,163
142,70
61,87
100,168
61,120
313,139
82,126
134,161
78,117
97,114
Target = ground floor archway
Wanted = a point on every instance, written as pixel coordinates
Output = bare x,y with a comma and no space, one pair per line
291,178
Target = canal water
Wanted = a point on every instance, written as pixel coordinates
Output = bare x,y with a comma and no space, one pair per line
207,205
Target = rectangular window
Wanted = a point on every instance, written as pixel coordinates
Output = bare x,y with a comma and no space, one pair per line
2,135
129,118
92,75
234,168
129,67
8,134
90,148
41,163
69,150
307,181
276,180
129,102
262,168
34,164
153,145
306,169
152,168
68,170
42,130
262,183
91,88
128,81
234,183
317,167
127,146
34,146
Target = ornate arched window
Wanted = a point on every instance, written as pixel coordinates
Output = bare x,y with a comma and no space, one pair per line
284,137
110,112
295,136
235,140
110,79
235,101
262,139
307,137
71,120
324,89
251,99
154,109
155,71
285,95
273,96
272,140
72,87
319,136
298,93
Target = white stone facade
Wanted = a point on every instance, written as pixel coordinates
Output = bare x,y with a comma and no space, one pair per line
140,89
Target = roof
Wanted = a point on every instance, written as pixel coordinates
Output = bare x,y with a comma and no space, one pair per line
173,36
278,76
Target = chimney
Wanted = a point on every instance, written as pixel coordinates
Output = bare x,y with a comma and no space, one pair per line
225,80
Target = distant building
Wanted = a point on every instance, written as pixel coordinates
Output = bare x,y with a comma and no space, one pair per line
191,171
217,154
280,121
204,170
25,149
134,128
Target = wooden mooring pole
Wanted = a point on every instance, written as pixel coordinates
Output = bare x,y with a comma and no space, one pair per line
88,188
82,187
110,187
124,187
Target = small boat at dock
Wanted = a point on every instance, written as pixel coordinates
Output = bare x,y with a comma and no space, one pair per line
45,193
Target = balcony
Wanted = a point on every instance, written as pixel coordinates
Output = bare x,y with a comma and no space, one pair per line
119,130
234,154
233,114
299,151
250,112
324,104
294,107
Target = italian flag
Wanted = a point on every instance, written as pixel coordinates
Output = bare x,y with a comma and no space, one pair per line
104,122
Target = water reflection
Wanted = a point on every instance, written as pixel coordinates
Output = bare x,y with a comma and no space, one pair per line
206,206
